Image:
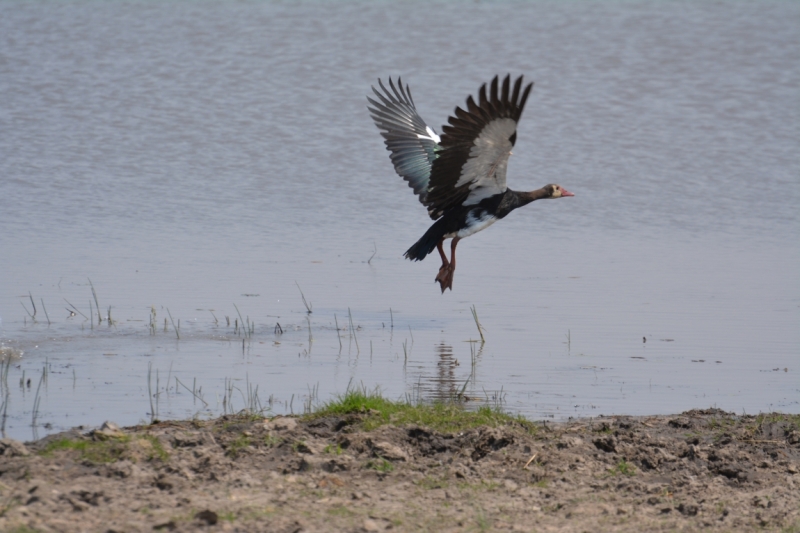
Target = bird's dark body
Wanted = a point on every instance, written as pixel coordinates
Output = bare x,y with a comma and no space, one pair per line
457,219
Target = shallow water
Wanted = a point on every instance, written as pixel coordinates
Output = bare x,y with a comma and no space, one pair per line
193,159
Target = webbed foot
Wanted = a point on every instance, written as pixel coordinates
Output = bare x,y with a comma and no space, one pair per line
445,277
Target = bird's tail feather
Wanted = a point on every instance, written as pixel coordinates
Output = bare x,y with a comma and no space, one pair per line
427,243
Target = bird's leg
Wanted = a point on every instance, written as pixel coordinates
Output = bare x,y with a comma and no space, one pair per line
444,270
445,276
445,262
453,252
452,268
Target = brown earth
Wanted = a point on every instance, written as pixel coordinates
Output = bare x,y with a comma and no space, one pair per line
698,470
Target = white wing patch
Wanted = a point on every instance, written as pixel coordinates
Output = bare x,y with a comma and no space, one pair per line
485,170
431,135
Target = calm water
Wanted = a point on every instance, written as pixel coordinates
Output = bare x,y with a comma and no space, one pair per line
203,160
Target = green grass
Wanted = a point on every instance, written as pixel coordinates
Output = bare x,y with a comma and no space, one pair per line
380,465
721,423
270,441
107,451
791,420
237,446
340,510
157,449
335,450
751,425
430,482
481,521
110,450
376,411
623,468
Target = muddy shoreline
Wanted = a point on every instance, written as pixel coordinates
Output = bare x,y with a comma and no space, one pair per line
702,469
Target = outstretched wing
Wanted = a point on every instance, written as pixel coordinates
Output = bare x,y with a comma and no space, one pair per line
474,148
412,143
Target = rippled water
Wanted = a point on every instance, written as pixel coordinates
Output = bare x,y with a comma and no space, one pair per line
209,160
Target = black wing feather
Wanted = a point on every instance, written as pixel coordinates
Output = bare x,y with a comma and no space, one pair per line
407,137
460,136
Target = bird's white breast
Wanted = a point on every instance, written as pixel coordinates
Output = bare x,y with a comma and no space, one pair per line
475,222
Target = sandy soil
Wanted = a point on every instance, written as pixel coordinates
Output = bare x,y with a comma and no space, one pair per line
698,470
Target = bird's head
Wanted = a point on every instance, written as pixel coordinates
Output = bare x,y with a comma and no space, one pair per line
557,191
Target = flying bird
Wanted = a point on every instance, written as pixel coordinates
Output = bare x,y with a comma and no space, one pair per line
460,176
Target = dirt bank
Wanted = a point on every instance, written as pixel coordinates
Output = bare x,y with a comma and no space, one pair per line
698,470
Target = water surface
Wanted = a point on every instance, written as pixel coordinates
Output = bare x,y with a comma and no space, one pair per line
203,160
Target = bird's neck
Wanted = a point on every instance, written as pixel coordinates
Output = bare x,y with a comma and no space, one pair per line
525,198
511,200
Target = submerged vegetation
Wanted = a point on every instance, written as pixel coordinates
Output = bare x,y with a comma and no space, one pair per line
243,396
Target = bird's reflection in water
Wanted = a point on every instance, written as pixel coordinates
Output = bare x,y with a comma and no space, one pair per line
450,376
444,383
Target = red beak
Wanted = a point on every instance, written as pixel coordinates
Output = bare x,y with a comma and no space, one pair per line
565,192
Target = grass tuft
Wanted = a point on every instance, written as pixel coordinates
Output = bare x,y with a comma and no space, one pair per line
623,468
110,450
239,444
376,411
335,450
380,465
97,452
155,450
